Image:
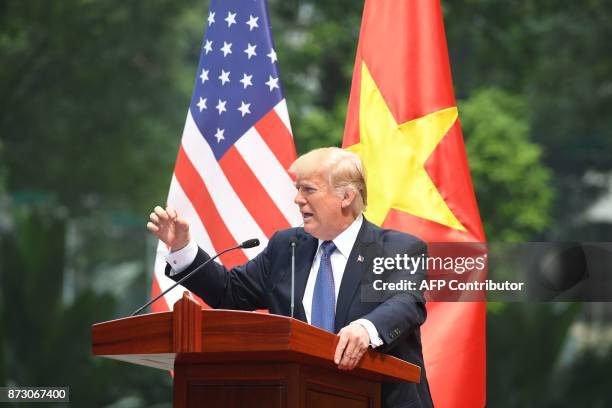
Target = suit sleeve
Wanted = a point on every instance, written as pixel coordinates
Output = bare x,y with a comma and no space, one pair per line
242,287
400,313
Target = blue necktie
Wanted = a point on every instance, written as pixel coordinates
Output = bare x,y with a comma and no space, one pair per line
324,298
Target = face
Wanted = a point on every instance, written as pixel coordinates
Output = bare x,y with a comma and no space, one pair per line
324,212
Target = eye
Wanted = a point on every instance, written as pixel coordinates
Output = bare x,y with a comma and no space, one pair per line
306,189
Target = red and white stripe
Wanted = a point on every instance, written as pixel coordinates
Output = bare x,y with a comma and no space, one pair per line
246,194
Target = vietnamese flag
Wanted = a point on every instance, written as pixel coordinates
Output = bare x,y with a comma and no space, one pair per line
402,120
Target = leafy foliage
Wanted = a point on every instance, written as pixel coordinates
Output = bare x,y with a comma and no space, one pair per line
45,339
316,42
523,348
557,56
89,93
512,186
93,96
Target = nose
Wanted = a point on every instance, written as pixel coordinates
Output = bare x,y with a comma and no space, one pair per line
299,198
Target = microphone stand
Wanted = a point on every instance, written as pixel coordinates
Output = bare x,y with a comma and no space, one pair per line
292,244
246,244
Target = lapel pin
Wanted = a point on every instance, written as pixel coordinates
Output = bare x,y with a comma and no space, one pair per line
359,258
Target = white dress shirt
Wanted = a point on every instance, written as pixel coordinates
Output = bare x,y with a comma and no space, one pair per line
344,245
181,259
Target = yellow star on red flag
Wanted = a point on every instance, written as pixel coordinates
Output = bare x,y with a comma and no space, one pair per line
394,155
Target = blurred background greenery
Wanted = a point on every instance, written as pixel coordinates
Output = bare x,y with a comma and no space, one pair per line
93,98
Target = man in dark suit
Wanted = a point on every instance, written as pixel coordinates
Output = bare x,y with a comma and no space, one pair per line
336,251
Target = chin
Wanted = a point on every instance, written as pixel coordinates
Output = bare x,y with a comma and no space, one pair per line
309,228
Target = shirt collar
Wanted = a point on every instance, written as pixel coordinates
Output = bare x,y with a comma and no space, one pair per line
345,241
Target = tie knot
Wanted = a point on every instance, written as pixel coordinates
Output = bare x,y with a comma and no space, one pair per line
328,247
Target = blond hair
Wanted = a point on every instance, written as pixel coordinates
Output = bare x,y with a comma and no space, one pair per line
343,168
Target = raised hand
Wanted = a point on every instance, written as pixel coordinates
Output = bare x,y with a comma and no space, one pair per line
169,227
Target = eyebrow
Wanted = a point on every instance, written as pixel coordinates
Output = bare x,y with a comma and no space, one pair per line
305,184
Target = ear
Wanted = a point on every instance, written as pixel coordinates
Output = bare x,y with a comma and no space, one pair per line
347,199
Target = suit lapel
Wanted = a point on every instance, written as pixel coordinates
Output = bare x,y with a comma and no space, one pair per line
304,255
359,259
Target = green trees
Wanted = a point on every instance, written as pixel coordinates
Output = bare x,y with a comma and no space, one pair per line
316,42
45,337
512,186
90,106
555,55
93,97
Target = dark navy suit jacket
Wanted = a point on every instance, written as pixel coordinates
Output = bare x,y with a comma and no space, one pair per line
265,283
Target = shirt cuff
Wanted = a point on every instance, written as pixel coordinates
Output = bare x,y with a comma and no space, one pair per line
375,340
181,259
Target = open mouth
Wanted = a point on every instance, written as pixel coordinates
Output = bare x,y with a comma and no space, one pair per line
306,216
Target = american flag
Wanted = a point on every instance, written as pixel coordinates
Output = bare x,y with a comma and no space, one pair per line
230,180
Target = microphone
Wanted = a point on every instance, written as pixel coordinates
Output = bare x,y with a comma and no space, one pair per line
249,243
292,243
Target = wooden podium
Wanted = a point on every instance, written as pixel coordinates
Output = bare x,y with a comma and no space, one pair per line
224,358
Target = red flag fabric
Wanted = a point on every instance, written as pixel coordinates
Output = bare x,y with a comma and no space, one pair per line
230,180
402,120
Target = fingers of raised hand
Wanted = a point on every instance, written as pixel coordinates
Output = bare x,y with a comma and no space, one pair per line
152,227
171,212
159,221
161,213
154,218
